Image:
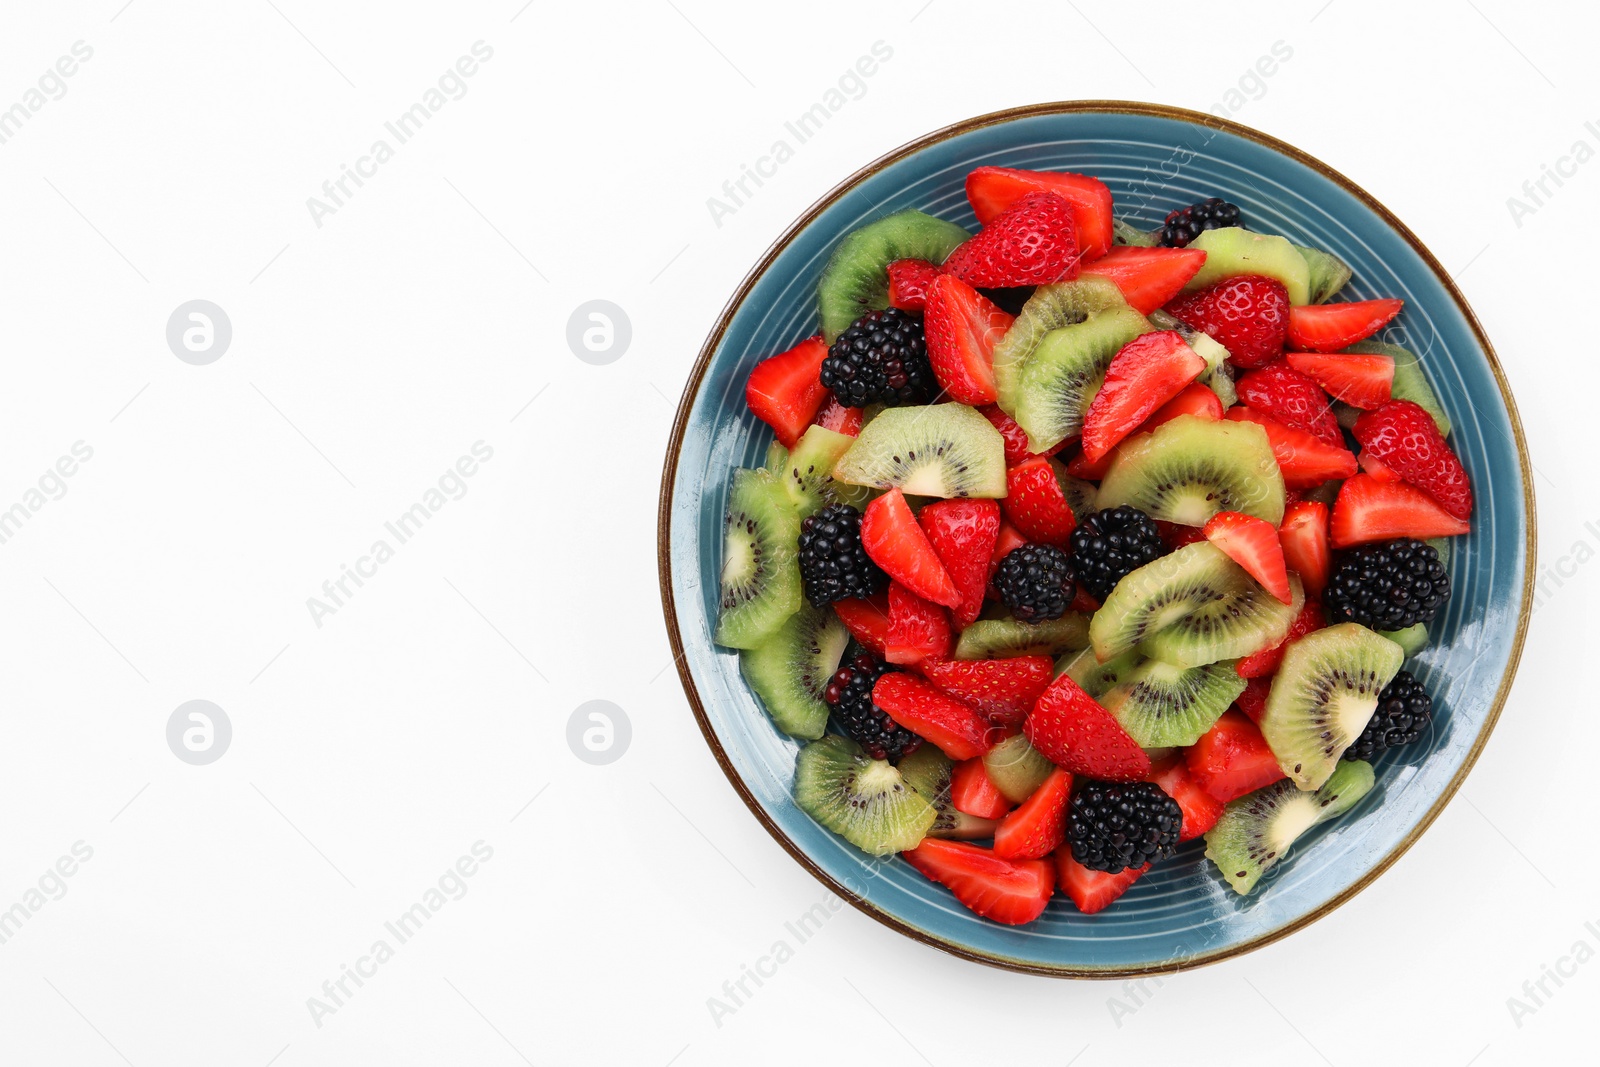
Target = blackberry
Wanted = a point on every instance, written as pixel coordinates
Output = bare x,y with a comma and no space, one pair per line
1109,544
1388,585
1112,826
849,696
881,359
1037,582
833,565
1404,711
1185,224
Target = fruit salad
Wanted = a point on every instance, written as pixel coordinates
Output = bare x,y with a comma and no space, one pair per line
1076,542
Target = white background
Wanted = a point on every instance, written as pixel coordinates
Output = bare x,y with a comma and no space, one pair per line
424,315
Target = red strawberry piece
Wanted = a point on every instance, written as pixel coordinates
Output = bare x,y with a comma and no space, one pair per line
1304,536
1084,603
908,283
1194,399
838,418
1253,701
1036,828
1149,371
995,190
1375,467
1232,759
1175,535
1265,662
1283,393
1004,891
963,535
962,327
1009,538
894,541
867,621
1201,810
1034,242
1071,730
1369,510
786,390
1404,438
959,732
1005,690
1252,543
1304,459
1080,467
1036,505
1148,277
974,792
1248,315
1092,891
1362,381
1015,437
1330,327
917,630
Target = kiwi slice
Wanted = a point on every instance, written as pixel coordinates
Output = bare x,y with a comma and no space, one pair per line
1328,273
1016,768
865,801
777,456
1126,233
1094,677
1322,697
1217,375
1190,468
790,669
1162,705
807,472
1246,620
856,279
760,561
927,770
1005,638
943,450
1081,495
1412,639
1410,380
1233,250
1066,371
1257,829
1051,307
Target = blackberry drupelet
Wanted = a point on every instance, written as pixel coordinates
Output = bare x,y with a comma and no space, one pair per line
1404,711
833,565
849,697
1112,826
1185,224
1388,585
1036,582
881,359
1111,543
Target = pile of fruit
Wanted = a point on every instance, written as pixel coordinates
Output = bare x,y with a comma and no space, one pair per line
1087,542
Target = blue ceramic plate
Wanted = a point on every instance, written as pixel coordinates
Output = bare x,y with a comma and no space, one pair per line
1154,158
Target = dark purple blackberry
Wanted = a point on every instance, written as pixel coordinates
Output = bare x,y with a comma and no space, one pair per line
1388,585
1113,826
833,565
1404,711
849,697
1185,224
881,359
1111,543
1036,582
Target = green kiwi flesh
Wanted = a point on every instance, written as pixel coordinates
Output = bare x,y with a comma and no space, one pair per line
791,668
865,801
1190,468
1232,250
1161,705
807,472
1094,677
1246,620
1158,594
1016,768
927,770
760,583
1410,380
942,450
1081,495
1066,370
856,279
1050,308
1412,639
1126,233
1005,638
1328,273
1256,830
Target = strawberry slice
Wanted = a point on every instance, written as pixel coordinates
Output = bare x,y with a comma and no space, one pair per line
1252,543
1194,399
1283,393
1036,504
1232,759
1074,732
908,283
995,190
1263,663
1149,371
1038,825
956,729
1362,381
963,535
838,418
867,621
1092,891
1330,327
1033,242
1304,536
917,629
1201,810
1403,437
1253,701
1375,467
1148,277
1005,690
1305,459
974,792
1369,510
1006,892
1009,538
1247,314
1175,535
893,540
962,327
1015,437
786,390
